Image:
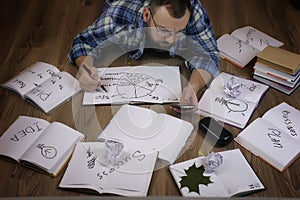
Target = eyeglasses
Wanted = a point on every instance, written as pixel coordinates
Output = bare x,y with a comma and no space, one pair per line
164,31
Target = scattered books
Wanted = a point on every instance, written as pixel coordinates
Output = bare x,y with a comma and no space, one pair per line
44,85
138,84
243,44
234,177
88,172
234,111
38,144
278,68
275,137
148,131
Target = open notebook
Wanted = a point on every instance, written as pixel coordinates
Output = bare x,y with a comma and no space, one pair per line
44,86
88,171
275,137
149,131
234,111
234,177
243,44
150,84
38,144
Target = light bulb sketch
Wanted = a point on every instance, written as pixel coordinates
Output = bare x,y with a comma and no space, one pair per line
47,151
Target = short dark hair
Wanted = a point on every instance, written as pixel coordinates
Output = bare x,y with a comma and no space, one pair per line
176,8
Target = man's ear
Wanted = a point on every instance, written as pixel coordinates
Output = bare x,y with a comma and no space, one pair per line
146,14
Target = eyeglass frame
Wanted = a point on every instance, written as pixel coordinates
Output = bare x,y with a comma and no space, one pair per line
164,31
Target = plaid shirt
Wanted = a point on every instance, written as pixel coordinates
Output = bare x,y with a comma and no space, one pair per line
122,24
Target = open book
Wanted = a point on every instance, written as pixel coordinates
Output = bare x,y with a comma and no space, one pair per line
275,137
243,44
234,177
39,144
89,172
235,111
148,131
44,86
151,84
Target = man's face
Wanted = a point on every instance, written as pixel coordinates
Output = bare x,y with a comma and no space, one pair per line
165,29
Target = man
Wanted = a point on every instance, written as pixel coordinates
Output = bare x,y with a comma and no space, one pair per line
170,23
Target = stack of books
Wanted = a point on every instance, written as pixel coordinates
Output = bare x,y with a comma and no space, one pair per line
278,68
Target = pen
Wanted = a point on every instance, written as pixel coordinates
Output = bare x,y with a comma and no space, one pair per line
91,75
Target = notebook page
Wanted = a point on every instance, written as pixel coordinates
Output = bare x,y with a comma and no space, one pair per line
54,91
51,148
31,77
21,135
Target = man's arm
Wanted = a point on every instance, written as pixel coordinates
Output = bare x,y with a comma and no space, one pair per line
198,80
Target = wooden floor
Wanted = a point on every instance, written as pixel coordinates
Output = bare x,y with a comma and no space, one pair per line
43,30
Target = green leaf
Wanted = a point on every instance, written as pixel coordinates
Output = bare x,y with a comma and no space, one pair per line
194,177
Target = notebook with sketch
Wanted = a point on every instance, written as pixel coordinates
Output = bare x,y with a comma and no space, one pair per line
43,85
234,111
89,172
149,131
234,177
243,44
38,144
150,84
275,137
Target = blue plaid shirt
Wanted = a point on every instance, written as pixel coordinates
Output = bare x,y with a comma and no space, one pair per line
121,23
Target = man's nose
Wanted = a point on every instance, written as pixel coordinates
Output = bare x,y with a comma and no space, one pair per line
171,38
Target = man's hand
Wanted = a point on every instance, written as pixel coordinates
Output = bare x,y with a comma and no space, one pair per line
88,82
198,80
189,96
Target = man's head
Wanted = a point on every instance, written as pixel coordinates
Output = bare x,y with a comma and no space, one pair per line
167,19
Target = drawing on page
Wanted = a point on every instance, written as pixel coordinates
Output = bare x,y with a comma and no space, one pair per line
135,85
127,85
233,105
48,152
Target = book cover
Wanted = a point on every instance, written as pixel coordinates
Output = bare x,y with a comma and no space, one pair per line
280,59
